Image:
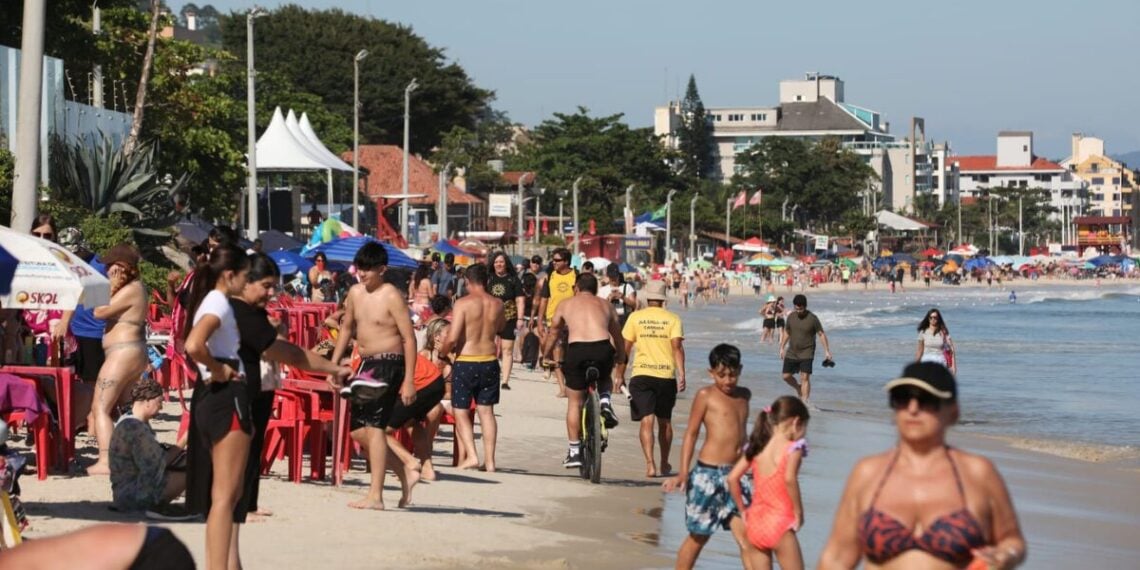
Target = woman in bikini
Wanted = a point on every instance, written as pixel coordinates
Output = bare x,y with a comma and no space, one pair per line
925,504
124,345
421,292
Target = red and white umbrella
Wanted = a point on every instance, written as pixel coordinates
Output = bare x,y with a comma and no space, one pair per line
50,277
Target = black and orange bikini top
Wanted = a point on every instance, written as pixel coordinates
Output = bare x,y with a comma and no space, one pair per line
951,537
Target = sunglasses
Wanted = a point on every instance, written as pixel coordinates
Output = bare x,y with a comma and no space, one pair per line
43,235
557,259
900,399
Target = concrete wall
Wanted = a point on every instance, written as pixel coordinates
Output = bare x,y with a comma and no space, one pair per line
805,90
1015,150
1086,147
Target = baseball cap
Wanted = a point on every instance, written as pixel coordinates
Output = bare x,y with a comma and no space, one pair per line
655,290
928,376
799,301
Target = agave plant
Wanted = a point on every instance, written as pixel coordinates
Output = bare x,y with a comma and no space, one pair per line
96,173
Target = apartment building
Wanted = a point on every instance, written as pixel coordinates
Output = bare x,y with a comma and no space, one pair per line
1110,183
814,108
1016,166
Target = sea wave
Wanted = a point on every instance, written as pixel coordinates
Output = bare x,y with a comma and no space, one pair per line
1081,451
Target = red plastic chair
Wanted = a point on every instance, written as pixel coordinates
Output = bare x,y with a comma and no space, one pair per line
284,434
63,377
40,427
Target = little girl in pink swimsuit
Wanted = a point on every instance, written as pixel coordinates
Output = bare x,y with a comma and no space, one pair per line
773,455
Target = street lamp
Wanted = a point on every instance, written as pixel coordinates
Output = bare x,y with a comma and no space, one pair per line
577,228
251,122
669,224
441,215
522,208
561,195
360,55
693,228
538,192
404,203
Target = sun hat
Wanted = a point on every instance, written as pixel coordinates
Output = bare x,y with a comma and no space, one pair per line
770,298
931,377
655,290
122,253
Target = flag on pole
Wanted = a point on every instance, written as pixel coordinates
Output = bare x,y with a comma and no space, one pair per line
659,214
755,201
739,200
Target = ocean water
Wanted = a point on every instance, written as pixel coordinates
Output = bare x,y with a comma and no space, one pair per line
1061,365
1058,372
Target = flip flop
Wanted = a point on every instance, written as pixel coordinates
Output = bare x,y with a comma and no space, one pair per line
506,386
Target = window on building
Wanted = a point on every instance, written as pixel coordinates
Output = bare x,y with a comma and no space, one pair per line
1094,167
1098,181
1098,197
1116,180
1024,148
799,97
1023,183
759,117
983,178
1116,197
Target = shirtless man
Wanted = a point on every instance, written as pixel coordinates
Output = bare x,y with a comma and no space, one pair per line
376,316
476,319
594,337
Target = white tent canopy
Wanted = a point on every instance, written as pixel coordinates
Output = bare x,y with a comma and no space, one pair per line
899,223
307,130
286,147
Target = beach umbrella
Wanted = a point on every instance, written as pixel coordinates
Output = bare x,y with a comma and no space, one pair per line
274,240
949,267
762,255
344,250
930,252
977,263
626,268
926,264
7,271
1105,260
290,262
886,261
905,258
850,263
192,232
47,276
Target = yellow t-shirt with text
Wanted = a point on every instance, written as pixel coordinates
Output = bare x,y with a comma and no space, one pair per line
652,330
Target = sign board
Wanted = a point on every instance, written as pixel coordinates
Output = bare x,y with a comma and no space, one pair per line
499,205
638,242
821,242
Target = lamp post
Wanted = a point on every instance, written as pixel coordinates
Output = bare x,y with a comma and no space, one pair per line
728,222
577,228
251,123
522,210
404,202
28,121
1020,235
561,195
693,228
538,192
441,215
360,55
669,224
627,218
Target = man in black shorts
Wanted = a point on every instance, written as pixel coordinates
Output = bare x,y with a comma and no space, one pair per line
376,316
658,373
800,330
594,341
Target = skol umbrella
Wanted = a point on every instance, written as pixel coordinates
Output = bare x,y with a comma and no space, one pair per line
48,276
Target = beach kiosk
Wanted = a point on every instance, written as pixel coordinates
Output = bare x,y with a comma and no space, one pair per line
1107,234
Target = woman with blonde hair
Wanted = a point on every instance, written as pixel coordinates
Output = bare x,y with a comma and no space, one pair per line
124,344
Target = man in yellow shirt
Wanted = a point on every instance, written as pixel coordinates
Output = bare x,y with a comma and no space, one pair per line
557,287
658,373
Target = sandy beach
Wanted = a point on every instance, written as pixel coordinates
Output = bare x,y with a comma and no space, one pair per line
1077,507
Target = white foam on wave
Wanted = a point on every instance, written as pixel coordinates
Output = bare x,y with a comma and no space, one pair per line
1081,451
1040,296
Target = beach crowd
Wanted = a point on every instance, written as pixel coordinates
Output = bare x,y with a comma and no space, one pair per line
407,348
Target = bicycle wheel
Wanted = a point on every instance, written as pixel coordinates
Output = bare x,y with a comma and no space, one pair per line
588,428
595,439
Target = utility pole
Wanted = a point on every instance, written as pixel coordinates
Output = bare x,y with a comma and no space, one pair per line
441,215
728,222
522,210
407,120
1020,235
360,55
561,196
97,75
538,214
28,121
251,126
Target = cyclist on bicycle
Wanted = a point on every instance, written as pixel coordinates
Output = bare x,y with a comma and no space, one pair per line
594,341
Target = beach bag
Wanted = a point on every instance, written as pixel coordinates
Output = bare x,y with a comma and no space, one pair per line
947,353
530,350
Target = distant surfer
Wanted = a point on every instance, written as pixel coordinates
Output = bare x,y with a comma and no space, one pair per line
1012,297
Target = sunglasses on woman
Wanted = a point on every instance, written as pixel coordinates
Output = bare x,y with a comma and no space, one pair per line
900,399
43,235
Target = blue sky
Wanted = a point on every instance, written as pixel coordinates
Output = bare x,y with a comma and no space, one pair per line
970,68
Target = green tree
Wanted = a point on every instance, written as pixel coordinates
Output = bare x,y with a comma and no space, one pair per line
607,154
314,50
7,165
695,135
472,149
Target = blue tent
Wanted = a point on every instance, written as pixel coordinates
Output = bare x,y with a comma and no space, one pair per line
977,263
344,250
290,262
1107,260
885,261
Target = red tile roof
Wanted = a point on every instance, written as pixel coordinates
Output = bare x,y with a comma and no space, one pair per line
512,177
385,165
988,163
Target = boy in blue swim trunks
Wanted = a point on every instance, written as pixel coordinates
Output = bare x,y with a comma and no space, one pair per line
723,411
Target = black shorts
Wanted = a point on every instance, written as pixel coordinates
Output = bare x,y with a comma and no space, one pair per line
388,367
508,332
426,399
219,407
89,358
792,366
475,380
779,323
652,396
579,354
769,323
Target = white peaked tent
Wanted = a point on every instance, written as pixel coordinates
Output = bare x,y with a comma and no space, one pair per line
307,130
284,148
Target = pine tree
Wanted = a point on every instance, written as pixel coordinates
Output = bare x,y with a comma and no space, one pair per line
695,135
